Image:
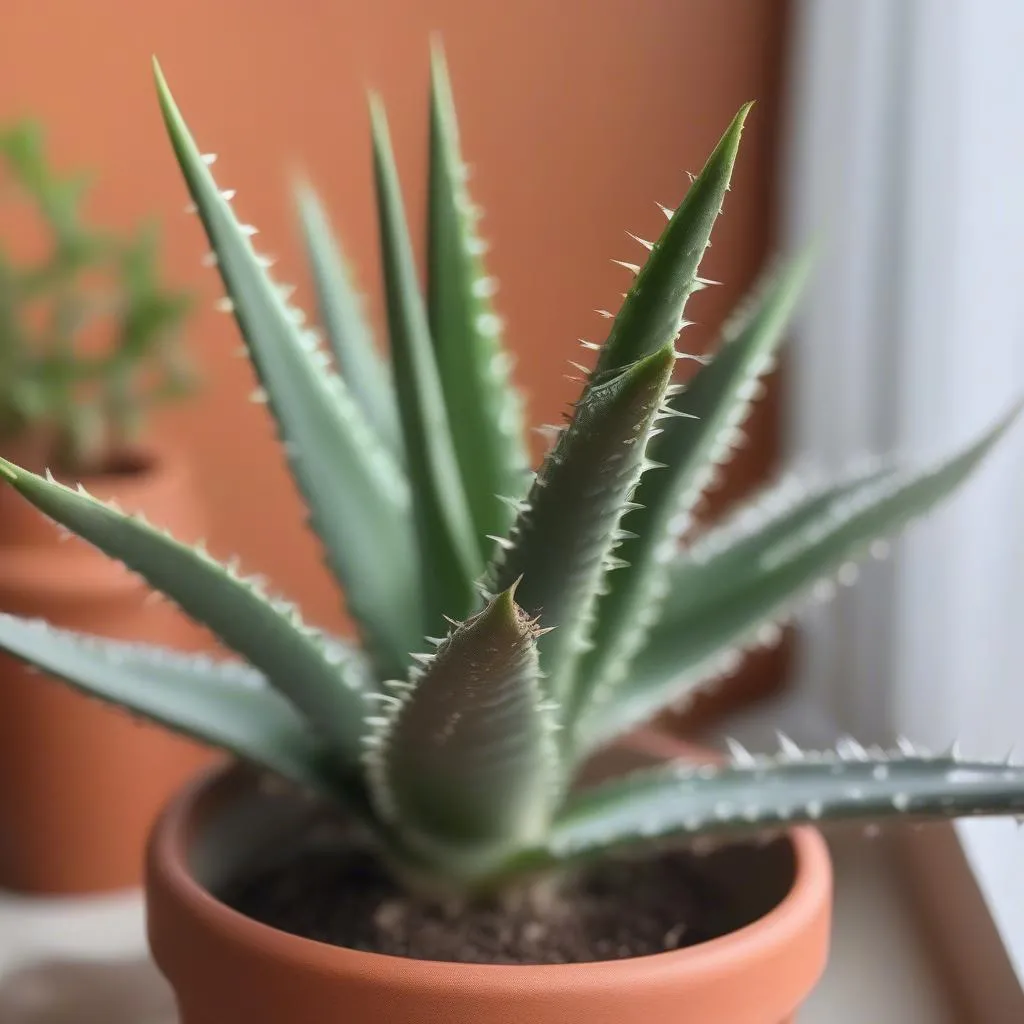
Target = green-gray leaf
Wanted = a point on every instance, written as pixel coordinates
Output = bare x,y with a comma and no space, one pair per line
484,408
223,704
464,757
344,321
706,415
450,559
358,499
687,801
311,673
652,313
736,582
563,537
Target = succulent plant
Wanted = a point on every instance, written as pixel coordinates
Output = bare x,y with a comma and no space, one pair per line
510,624
84,402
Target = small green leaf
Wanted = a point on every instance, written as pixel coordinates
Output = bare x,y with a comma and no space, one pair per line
484,408
345,323
739,580
464,756
561,541
652,313
311,673
357,497
450,559
705,416
687,801
223,704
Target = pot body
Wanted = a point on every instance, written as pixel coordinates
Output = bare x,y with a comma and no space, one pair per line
81,783
227,969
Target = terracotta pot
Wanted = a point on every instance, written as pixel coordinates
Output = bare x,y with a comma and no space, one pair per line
80,783
228,969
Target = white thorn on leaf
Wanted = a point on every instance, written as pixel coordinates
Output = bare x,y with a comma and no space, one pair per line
633,268
227,194
906,747
848,573
191,208
605,313
643,241
790,751
667,211
248,229
224,305
850,750
258,396
901,801
741,757
208,259
209,158
484,287
880,549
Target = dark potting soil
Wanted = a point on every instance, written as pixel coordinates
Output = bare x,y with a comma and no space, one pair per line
612,910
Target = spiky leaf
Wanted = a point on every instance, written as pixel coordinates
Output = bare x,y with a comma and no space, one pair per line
344,321
652,313
704,418
464,756
484,408
450,558
357,498
562,540
687,801
223,704
310,672
733,584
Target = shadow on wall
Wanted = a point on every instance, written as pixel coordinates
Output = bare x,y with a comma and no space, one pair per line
86,992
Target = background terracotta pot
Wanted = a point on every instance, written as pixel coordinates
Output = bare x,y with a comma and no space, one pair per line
80,784
228,969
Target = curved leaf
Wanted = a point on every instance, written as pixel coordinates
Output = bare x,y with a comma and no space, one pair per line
223,704
357,498
728,588
450,560
484,408
706,414
311,673
688,801
562,542
652,313
345,324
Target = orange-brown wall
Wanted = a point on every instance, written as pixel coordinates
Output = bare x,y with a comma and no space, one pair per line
577,115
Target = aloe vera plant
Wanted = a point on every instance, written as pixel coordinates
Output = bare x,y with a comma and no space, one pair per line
509,624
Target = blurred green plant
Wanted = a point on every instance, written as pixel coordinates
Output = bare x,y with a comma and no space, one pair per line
80,403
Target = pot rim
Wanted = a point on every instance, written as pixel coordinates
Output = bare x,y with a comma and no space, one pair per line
799,914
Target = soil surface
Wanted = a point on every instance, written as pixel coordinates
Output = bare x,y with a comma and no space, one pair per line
613,910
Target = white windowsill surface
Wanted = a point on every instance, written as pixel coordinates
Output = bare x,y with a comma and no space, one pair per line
84,961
